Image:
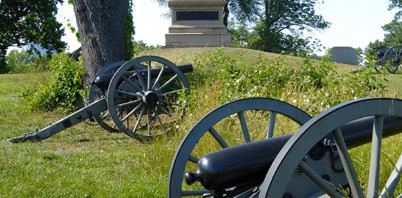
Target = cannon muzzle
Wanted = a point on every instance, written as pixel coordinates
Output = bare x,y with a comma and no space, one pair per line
247,164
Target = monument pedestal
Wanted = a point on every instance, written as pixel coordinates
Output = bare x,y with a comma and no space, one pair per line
197,23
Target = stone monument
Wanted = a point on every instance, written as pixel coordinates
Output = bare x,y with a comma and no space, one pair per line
197,23
345,55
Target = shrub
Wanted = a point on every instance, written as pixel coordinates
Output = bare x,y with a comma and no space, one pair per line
314,87
64,88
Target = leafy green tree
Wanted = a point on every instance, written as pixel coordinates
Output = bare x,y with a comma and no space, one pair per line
25,22
243,10
393,31
374,46
396,4
281,25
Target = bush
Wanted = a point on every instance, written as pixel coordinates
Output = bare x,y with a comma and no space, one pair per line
63,90
314,87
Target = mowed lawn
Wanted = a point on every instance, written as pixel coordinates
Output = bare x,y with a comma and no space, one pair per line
85,160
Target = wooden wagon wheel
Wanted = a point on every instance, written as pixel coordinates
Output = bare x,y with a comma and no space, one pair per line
392,59
98,90
292,161
232,124
146,97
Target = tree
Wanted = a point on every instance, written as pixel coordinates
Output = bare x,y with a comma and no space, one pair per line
393,31
281,25
373,47
396,4
25,22
102,31
244,10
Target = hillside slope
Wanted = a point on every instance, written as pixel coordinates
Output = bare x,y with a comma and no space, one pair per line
187,55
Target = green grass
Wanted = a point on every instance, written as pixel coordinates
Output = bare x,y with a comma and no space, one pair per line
86,161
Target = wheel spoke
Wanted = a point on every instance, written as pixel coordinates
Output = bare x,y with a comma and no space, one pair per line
167,83
393,180
149,76
131,82
317,179
172,92
166,112
131,112
271,126
244,128
160,121
127,93
129,103
142,83
139,119
347,164
373,181
105,117
158,78
218,138
149,119
120,112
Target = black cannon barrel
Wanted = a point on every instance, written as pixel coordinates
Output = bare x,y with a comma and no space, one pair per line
103,81
248,163
155,72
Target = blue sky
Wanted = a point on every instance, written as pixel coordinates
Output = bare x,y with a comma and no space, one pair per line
355,23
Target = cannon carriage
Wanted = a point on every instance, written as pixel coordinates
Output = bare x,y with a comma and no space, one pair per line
143,98
318,160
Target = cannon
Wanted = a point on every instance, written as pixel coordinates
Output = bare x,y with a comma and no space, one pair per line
323,158
143,98
389,58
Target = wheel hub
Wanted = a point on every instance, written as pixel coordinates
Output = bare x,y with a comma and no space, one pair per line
150,98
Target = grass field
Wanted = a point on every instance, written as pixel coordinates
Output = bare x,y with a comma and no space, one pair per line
86,161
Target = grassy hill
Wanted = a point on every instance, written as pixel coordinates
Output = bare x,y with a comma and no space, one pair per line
86,161
187,55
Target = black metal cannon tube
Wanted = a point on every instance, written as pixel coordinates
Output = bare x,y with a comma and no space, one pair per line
155,72
359,132
103,81
248,163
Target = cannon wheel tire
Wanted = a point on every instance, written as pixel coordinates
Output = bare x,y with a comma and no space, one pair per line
228,125
95,93
291,159
147,97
